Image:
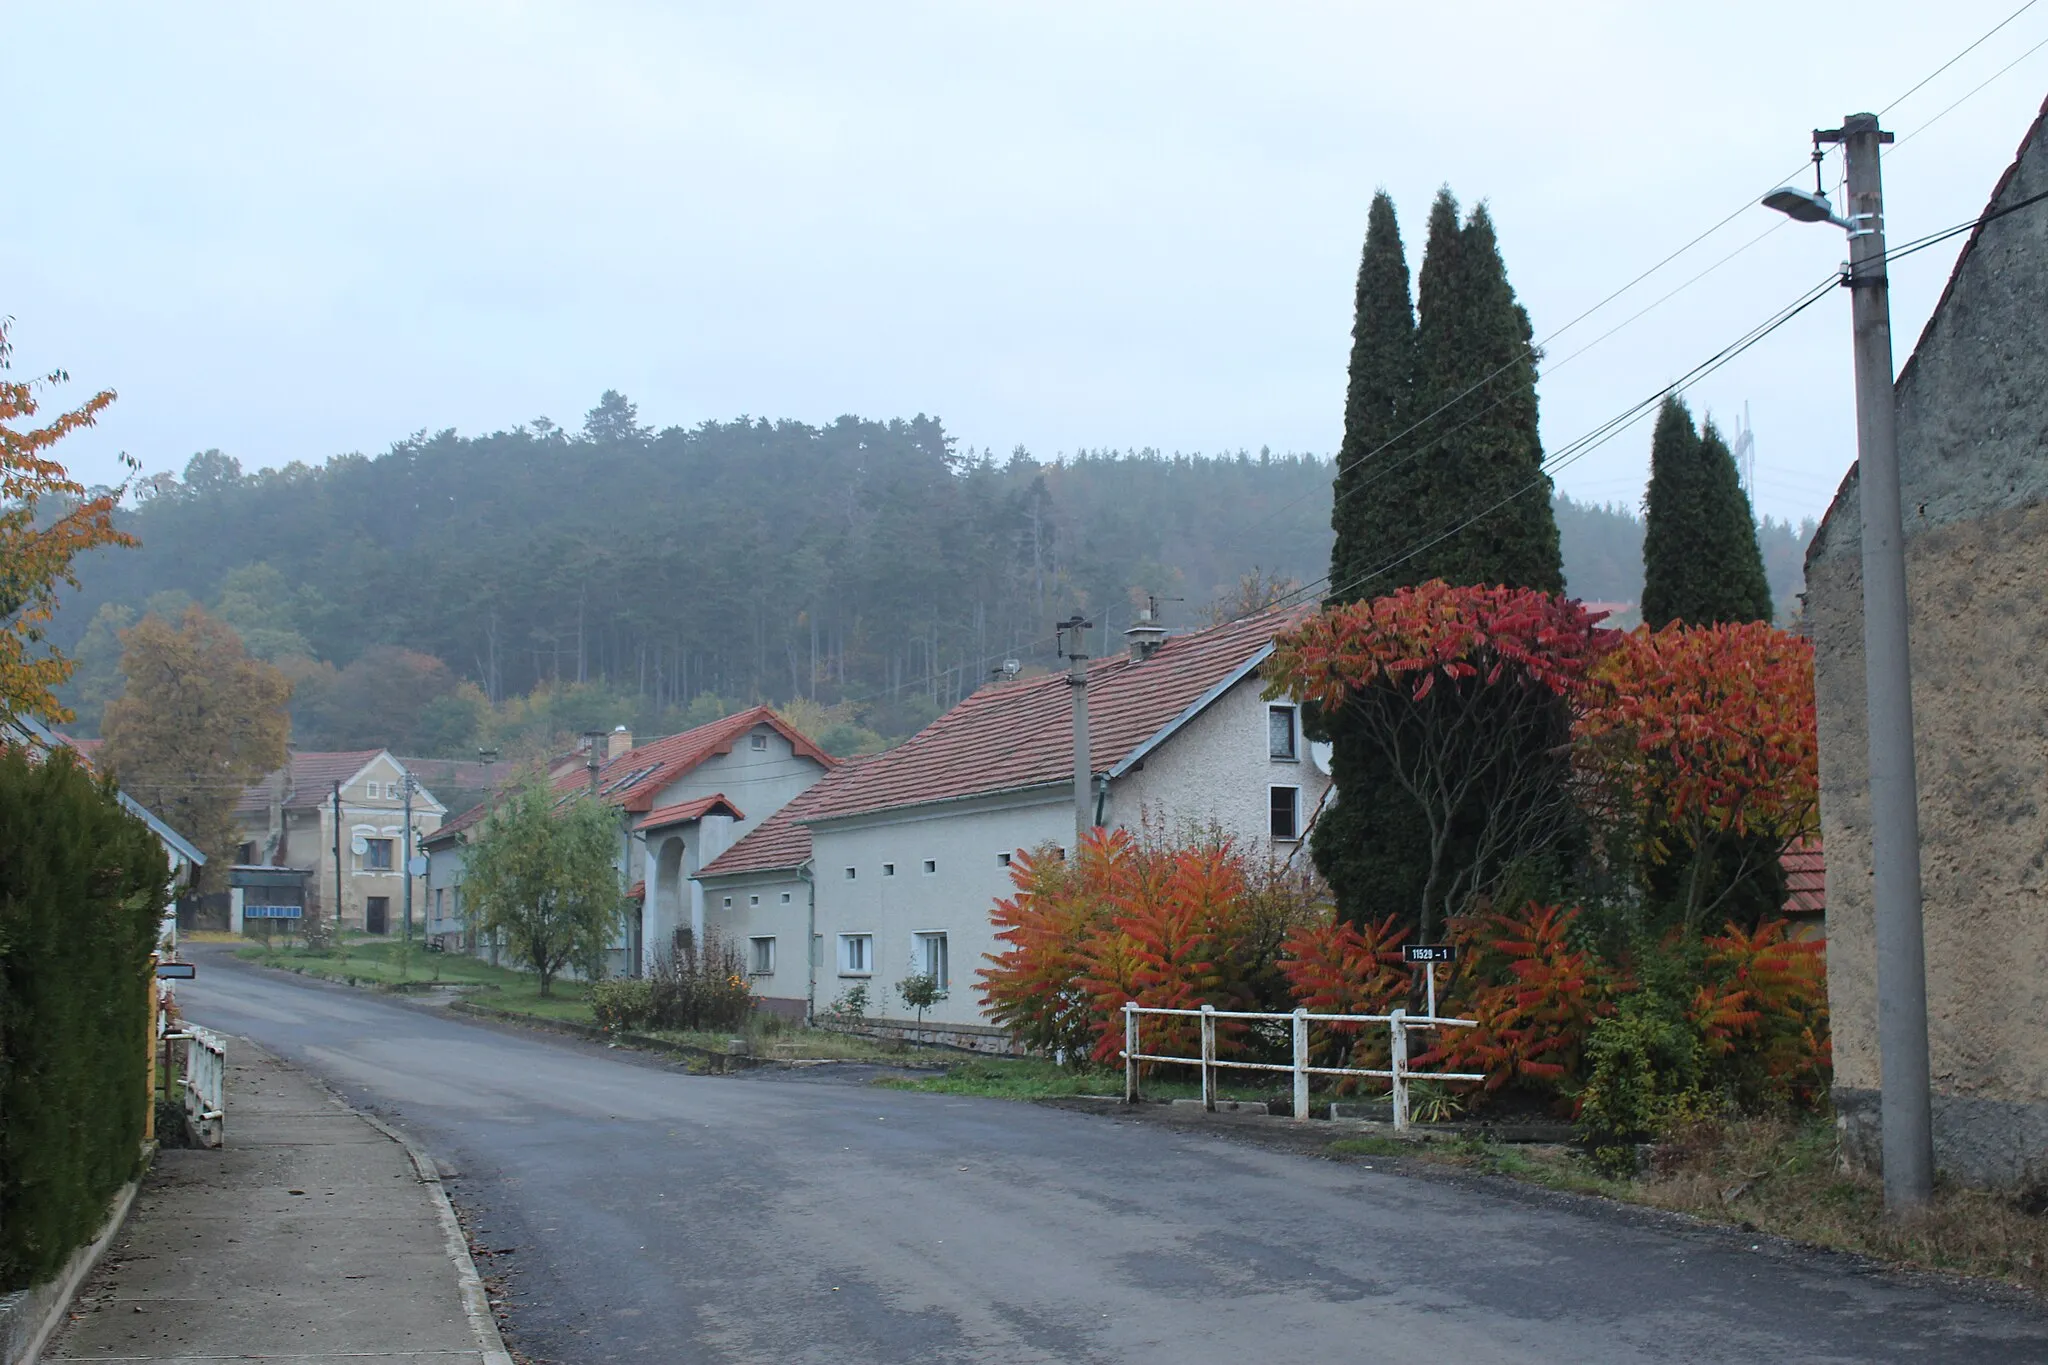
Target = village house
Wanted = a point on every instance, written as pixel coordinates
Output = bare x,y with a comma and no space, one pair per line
889,866
682,800
287,823
1972,408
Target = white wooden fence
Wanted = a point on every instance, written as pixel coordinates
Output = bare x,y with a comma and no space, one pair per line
1399,1022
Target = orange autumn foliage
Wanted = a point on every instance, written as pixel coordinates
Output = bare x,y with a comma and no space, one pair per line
47,519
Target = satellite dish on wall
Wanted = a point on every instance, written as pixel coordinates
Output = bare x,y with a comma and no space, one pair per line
1319,754
359,845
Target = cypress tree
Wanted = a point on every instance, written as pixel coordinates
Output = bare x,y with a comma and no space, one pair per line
1377,404
1399,490
1476,370
1701,564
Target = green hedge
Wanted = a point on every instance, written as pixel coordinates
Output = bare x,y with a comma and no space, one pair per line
81,883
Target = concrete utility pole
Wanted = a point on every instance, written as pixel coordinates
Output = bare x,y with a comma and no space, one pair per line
337,862
407,787
1905,1103
1073,645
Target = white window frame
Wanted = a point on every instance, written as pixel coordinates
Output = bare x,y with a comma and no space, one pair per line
758,743
785,898
925,940
726,904
1293,715
753,900
1295,793
370,842
762,948
866,954
373,791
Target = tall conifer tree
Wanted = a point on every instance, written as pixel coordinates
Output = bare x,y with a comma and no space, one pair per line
1701,564
1377,404
1476,372
1440,429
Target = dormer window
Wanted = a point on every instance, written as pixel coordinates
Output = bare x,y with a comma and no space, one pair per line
758,743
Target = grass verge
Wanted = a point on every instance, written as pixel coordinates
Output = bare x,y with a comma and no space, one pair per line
1783,1176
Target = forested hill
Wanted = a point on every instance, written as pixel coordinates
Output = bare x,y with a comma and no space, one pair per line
860,561
864,560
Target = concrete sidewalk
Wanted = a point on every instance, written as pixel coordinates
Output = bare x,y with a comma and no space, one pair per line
310,1236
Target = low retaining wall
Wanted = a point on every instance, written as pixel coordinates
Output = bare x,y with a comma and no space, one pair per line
1998,1143
29,1316
981,1038
713,1060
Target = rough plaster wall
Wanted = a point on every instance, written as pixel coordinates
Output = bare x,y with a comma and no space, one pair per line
1973,451
1218,769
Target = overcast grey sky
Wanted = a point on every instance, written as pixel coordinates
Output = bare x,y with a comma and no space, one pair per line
293,230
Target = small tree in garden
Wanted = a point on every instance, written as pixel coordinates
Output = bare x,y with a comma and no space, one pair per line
920,991
544,877
1465,696
1700,743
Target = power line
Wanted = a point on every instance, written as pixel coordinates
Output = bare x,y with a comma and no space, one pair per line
1985,37
1968,96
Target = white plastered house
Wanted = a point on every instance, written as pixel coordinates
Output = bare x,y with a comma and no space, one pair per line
890,865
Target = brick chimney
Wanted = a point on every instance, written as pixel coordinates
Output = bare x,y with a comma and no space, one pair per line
620,740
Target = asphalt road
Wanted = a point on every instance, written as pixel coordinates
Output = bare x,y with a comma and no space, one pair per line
656,1216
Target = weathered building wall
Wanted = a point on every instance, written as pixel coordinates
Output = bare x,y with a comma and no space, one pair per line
1973,451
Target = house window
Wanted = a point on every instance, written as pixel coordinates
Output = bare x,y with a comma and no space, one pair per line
370,789
931,959
763,956
727,904
849,874
245,854
377,854
888,869
1002,860
753,900
1280,735
1285,805
758,743
931,865
437,902
856,954
785,898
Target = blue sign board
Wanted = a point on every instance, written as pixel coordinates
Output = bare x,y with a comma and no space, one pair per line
271,912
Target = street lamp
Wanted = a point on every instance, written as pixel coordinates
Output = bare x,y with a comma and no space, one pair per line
1904,1102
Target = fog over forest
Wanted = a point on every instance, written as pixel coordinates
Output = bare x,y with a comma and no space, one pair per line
538,580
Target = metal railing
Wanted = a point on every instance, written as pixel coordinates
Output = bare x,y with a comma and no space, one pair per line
205,1086
1398,1071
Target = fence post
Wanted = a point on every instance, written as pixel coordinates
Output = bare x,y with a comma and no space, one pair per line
1398,1023
1209,1058
1301,1062
1131,1050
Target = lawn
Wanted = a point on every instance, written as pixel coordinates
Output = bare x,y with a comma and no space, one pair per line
386,963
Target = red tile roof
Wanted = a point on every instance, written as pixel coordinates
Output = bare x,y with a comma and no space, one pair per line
1806,887
782,840
307,780
633,779
1020,734
684,811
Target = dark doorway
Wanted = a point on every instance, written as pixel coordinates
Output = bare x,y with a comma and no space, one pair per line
377,914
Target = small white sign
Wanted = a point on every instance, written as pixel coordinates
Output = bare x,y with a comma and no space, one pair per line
418,865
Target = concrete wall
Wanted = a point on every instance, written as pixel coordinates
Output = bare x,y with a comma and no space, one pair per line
773,905
1219,770
965,843
1973,447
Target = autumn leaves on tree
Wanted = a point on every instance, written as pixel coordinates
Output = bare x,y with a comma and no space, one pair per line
47,519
